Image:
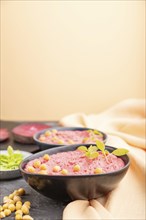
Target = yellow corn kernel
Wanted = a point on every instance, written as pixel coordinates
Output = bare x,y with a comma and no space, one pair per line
64,172
56,168
76,168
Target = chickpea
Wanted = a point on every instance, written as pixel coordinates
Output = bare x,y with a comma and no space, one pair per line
43,167
42,172
18,206
16,198
70,141
27,217
85,139
11,196
7,212
56,168
2,215
18,217
46,157
12,207
19,212
54,131
54,139
21,192
25,209
5,199
19,202
60,141
5,206
98,170
47,133
10,201
27,203
36,163
31,169
76,168
64,172
41,138
1,208
15,193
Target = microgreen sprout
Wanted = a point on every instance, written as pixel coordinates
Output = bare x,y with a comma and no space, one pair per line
120,152
92,151
98,133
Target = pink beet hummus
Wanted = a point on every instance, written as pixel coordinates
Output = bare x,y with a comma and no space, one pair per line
68,137
74,163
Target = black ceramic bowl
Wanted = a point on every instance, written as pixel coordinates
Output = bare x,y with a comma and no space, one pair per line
47,145
72,187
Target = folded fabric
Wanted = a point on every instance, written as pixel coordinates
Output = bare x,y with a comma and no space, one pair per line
125,125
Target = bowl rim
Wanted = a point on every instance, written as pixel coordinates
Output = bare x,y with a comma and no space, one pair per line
39,154
37,134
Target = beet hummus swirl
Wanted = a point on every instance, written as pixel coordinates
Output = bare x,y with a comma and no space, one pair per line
74,163
68,137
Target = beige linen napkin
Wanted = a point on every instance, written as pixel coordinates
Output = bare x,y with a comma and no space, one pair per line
125,125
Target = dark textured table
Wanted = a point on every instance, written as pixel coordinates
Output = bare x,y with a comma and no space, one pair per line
42,208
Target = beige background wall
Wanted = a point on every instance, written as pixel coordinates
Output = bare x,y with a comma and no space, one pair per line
60,57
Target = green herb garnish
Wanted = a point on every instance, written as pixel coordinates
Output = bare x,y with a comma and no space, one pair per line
92,151
101,146
120,152
11,160
97,132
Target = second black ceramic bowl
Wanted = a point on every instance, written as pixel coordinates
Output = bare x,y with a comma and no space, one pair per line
72,187
46,145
